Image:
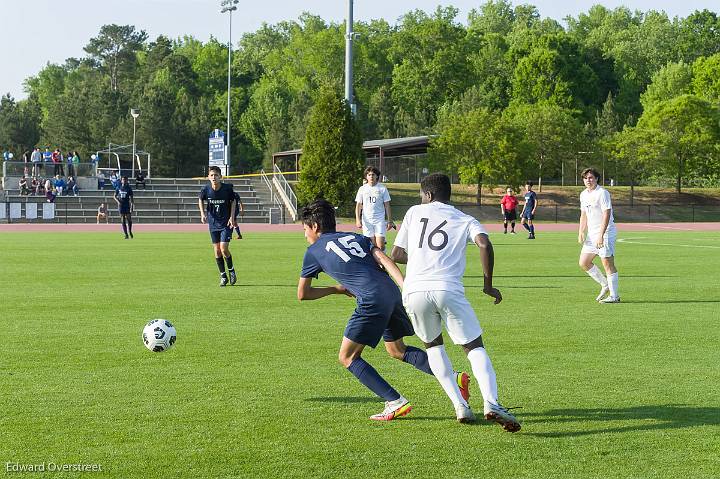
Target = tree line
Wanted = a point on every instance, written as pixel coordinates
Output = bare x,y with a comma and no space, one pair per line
510,94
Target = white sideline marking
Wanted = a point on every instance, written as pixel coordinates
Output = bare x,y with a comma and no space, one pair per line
623,240
670,228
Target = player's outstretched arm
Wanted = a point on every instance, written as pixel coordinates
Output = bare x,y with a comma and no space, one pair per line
306,291
399,255
487,258
383,260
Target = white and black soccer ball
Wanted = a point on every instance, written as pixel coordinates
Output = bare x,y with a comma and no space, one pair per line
159,335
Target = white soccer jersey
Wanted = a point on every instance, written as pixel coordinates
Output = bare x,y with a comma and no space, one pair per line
373,199
594,203
435,236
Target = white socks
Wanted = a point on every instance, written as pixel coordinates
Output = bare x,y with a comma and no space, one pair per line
595,274
612,280
443,370
484,374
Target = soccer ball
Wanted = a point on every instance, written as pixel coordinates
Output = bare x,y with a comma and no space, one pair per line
159,335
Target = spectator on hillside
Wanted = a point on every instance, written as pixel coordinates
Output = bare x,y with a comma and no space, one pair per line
140,179
47,158
26,162
6,155
72,186
102,213
60,184
47,184
115,180
23,184
55,156
70,165
76,162
36,159
50,196
101,180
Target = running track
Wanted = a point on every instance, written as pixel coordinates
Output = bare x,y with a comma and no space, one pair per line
297,228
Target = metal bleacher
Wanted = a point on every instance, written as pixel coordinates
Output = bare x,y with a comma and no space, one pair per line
164,200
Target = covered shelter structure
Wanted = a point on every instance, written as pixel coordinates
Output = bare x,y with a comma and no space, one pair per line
120,158
398,159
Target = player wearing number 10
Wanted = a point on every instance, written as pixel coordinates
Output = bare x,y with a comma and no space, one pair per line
352,260
432,241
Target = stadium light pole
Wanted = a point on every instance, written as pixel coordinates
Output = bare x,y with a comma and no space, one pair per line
228,6
135,113
349,37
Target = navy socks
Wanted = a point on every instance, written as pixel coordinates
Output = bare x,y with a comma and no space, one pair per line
372,380
418,358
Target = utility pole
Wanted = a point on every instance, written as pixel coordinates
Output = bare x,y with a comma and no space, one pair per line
349,37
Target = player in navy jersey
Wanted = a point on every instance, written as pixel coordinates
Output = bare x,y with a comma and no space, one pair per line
528,212
354,262
239,209
217,207
126,205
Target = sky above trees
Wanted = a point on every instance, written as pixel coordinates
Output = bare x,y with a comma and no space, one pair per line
52,31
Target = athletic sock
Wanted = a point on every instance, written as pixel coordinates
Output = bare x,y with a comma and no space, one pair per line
124,226
505,227
229,262
129,221
595,274
532,230
443,369
525,225
220,264
512,226
484,374
612,280
372,380
418,358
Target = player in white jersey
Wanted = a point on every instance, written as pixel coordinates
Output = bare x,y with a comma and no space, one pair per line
432,241
596,217
372,205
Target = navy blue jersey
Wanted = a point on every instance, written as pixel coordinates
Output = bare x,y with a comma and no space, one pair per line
219,204
530,199
346,257
123,194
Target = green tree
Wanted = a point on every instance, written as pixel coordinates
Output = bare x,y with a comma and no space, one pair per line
685,134
706,78
551,132
114,48
333,157
672,80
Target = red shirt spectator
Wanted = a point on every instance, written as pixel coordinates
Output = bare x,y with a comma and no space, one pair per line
509,202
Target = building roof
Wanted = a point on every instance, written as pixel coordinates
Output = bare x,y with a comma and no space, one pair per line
389,147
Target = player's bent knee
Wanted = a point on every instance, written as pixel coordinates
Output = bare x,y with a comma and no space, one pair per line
396,349
474,344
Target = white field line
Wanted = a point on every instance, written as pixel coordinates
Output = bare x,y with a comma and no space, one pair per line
669,227
632,241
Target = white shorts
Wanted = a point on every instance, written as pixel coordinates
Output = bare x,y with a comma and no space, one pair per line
428,310
606,251
374,228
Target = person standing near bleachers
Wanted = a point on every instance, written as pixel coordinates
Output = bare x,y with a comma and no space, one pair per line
126,205
36,160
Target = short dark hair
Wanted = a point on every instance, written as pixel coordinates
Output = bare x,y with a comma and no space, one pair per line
529,183
124,178
371,169
590,170
216,169
321,213
438,185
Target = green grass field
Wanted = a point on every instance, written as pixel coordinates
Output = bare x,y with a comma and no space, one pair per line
252,387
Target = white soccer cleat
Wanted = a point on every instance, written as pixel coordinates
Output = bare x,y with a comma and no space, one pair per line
603,292
464,414
393,409
497,413
610,299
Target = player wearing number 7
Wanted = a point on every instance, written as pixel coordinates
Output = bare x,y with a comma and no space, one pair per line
432,241
352,261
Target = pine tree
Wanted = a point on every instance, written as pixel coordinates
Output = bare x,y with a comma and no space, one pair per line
333,158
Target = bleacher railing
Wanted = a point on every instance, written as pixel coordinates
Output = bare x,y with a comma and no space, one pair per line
277,206
46,169
285,191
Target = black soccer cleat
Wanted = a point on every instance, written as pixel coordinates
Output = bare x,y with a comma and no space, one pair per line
223,280
233,277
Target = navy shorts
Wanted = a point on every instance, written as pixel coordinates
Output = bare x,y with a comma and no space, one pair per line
369,323
124,211
222,236
510,215
528,216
